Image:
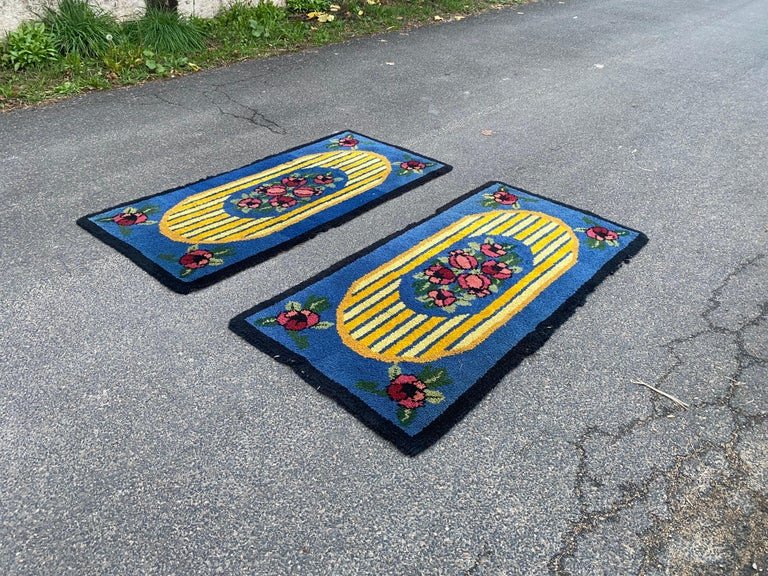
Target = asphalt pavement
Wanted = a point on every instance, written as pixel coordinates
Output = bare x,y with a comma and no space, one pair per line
138,435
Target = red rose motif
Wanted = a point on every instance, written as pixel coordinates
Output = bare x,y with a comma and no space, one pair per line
249,203
323,179
601,233
462,260
305,191
283,201
407,391
413,165
348,142
476,284
196,259
503,197
442,298
129,219
492,250
275,190
439,274
292,181
494,269
297,319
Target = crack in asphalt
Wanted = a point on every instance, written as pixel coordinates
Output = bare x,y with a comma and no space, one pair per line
590,520
252,116
485,554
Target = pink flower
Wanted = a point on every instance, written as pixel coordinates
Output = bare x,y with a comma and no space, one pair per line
601,233
275,190
297,320
413,165
407,391
129,218
504,197
442,298
439,274
196,259
492,250
348,142
305,191
462,260
323,179
475,283
283,201
249,203
293,181
498,270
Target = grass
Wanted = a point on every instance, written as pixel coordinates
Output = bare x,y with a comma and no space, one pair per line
78,28
162,45
165,32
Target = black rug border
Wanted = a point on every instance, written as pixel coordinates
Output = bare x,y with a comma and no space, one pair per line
413,445
181,287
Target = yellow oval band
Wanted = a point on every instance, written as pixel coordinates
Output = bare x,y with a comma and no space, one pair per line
373,321
201,218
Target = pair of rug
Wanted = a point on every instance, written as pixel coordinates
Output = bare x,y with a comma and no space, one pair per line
410,333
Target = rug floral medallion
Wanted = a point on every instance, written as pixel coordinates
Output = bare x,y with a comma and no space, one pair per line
194,235
409,334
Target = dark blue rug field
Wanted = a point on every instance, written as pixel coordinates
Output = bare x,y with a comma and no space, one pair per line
195,235
409,334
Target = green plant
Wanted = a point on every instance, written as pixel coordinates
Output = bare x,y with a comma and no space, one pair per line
163,31
79,28
304,6
29,45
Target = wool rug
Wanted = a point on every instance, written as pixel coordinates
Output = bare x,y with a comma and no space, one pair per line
195,235
410,333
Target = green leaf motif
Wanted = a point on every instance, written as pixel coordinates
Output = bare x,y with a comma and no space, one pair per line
168,257
372,387
293,306
434,377
266,321
322,325
394,371
185,272
433,396
405,415
317,304
300,340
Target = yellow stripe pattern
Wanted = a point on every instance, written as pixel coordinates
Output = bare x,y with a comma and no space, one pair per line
201,217
372,319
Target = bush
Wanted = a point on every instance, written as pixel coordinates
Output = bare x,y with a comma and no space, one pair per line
79,28
29,45
165,32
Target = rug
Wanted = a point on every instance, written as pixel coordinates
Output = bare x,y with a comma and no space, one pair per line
409,334
195,235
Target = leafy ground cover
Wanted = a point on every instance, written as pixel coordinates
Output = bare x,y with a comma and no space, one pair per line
74,47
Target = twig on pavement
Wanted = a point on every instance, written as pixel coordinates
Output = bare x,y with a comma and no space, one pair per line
665,394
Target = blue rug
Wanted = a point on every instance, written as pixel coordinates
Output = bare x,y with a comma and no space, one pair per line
410,333
195,235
